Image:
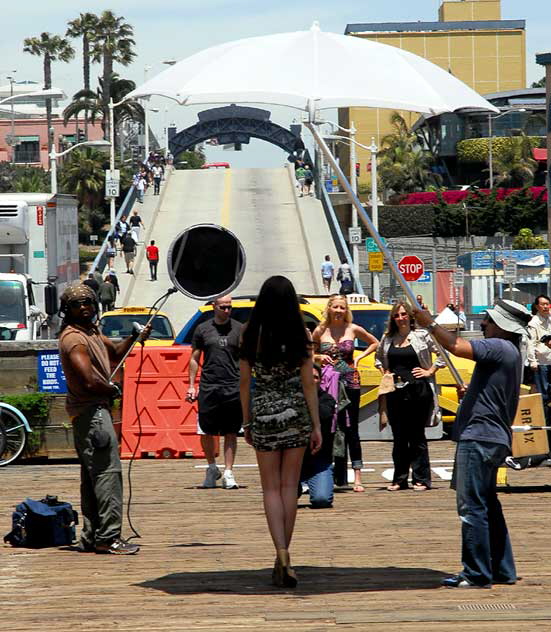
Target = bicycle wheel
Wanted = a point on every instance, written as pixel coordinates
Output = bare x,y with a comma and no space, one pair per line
2,439
15,436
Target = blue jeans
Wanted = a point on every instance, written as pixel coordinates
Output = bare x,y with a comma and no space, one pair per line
541,378
320,483
486,551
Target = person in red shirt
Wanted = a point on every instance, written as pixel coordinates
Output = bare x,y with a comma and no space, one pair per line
152,253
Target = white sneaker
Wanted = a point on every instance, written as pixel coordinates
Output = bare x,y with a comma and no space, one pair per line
228,480
213,474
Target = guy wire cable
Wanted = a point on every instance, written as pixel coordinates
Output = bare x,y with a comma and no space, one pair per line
140,431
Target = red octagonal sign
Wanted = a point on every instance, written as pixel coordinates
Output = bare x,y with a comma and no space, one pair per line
411,267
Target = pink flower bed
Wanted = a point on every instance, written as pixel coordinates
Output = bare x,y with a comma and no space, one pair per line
455,197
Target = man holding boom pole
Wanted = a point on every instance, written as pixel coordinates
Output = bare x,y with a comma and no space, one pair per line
87,357
482,430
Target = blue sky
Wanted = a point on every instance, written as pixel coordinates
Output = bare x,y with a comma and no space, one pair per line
178,28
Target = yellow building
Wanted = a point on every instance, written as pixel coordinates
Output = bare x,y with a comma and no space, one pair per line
470,40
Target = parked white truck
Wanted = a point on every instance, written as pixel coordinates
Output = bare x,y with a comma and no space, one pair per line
38,258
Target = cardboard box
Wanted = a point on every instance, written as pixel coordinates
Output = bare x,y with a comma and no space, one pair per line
532,442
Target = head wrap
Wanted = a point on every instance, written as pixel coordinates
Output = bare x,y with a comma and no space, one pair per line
77,292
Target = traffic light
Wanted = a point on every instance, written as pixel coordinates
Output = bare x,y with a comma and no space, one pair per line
357,170
80,135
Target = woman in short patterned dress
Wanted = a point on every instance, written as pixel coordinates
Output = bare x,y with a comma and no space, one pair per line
334,341
280,416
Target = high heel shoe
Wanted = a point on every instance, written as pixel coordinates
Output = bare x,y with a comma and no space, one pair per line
277,573
288,575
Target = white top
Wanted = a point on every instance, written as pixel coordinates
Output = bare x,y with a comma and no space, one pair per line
538,352
327,270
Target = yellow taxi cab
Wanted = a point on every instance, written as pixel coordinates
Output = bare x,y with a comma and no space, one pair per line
118,323
373,317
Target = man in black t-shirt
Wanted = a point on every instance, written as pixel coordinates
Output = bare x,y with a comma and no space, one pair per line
219,404
136,222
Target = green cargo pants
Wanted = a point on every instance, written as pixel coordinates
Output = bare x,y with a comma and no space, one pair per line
100,477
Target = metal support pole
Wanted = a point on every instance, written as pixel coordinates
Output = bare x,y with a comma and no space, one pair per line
490,151
354,185
375,210
434,288
12,122
377,238
53,172
112,211
146,132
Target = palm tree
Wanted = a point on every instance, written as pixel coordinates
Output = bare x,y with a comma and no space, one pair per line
514,165
404,166
84,26
93,102
113,43
83,175
52,48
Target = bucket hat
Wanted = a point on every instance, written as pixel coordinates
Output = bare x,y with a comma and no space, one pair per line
510,316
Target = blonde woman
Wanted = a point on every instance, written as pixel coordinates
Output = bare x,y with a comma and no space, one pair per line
334,340
406,353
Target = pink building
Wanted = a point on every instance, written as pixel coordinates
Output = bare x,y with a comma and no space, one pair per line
23,129
31,138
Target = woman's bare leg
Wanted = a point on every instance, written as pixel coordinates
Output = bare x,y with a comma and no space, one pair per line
291,464
269,465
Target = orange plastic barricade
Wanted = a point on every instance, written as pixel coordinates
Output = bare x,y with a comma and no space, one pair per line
156,380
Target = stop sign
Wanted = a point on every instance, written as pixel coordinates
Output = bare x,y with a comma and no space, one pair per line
411,267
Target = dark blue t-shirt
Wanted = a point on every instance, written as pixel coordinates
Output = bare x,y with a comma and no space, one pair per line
490,404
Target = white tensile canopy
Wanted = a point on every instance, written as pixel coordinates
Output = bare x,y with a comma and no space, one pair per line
312,70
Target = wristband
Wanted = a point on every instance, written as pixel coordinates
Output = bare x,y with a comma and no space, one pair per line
431,326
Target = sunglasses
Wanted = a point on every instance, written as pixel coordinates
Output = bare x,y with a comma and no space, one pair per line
81,302
226,308
399,315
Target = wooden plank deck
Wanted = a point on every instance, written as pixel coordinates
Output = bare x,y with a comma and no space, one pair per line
373,562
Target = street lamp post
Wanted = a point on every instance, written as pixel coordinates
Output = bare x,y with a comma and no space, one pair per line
12,132
373,149
54,155
50,92
353,182
490,140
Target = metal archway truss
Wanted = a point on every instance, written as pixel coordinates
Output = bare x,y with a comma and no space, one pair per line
235,129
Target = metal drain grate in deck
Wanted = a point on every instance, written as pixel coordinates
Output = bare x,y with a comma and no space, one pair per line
490,607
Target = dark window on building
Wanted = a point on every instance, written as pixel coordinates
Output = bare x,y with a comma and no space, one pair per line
27,150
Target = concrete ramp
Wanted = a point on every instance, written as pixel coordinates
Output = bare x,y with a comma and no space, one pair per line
281,233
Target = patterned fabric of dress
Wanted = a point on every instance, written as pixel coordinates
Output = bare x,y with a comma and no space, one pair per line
280,418
343,354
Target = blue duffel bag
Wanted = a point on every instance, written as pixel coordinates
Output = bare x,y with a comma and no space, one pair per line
37,524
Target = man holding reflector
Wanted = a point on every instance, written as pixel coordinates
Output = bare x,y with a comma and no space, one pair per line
482,430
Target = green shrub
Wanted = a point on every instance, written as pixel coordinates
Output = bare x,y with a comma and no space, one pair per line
36,408
478,149
406,220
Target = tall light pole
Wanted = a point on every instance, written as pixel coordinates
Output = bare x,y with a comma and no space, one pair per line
373,149
375,209
112,106
11,79
490,140
54,155
146,116
353,182
544,59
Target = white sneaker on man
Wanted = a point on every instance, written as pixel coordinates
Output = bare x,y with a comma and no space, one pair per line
213,474
228,480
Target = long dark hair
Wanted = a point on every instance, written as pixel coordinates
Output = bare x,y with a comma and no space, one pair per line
275,332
